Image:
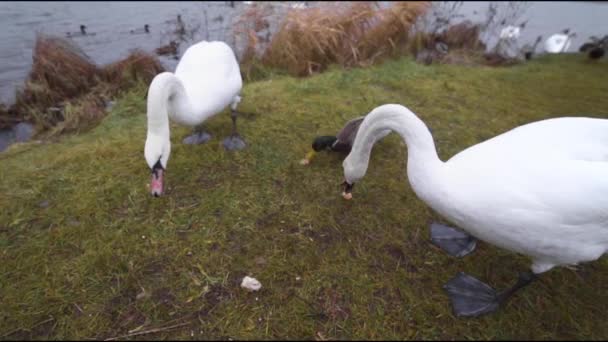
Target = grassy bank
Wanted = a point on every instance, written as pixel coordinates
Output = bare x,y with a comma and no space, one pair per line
88,253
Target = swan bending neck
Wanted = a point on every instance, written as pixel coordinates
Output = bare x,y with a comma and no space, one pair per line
168,98
420,145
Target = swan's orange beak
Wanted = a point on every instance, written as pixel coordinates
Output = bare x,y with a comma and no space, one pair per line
156,184
348,190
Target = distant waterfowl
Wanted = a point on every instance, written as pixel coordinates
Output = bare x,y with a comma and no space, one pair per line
510,32
299,5
559,42
146,29
341,142
528,50
597,52
429,55
207,79
539,189
596,48
169,49
82,32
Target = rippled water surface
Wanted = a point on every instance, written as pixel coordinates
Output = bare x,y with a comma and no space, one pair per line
110,25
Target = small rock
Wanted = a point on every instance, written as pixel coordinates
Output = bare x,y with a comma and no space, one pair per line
251,284
189,253
260,261
143,294
23,131
44,204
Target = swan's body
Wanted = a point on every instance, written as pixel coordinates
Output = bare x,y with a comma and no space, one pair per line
540,189
559,42
510,32
206,80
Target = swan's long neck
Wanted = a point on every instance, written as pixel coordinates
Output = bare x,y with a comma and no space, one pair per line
168,98
423,166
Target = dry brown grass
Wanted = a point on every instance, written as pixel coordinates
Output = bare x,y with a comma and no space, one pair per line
138,66
65,91
348,34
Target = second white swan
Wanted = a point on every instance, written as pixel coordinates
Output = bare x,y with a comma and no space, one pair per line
206,80
540,190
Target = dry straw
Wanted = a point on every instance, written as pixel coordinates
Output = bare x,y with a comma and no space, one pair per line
66,91
349,34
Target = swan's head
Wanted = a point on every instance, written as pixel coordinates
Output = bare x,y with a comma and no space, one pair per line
157,153
323,142
352,174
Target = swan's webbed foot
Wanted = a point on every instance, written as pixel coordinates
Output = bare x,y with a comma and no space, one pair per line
234,143
455,242
471,298
199,136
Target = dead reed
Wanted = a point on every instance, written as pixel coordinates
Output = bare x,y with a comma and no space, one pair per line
65,91
349,34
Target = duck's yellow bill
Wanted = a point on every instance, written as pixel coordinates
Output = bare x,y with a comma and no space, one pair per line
308,158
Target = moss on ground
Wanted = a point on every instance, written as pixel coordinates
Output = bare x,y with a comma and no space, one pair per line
88,253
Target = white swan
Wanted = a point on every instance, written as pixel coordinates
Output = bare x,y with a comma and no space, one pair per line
207,79
540,189
510,32
559,42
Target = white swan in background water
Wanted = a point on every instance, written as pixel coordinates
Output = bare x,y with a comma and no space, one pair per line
510,32
540,190
206,80
559,42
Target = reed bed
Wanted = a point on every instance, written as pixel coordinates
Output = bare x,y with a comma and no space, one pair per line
65,91
348,34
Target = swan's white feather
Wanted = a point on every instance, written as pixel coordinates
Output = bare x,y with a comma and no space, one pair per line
211,76
558,43
207,79
540,189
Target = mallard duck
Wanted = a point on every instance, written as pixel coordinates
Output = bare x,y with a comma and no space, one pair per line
341,142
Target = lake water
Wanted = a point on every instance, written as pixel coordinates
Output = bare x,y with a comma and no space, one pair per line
111,23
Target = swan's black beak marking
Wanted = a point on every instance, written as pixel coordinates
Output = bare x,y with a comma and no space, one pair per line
156,183
348,189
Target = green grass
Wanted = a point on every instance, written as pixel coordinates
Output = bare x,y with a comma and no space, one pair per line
87,253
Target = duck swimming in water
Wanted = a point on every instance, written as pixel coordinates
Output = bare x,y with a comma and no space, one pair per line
146,29
83,32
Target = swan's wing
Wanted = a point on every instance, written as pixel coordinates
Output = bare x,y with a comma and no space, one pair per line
576,138
210,74
554,169
560,194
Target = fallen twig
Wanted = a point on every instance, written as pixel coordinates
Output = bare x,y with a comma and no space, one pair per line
151,331
30,329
